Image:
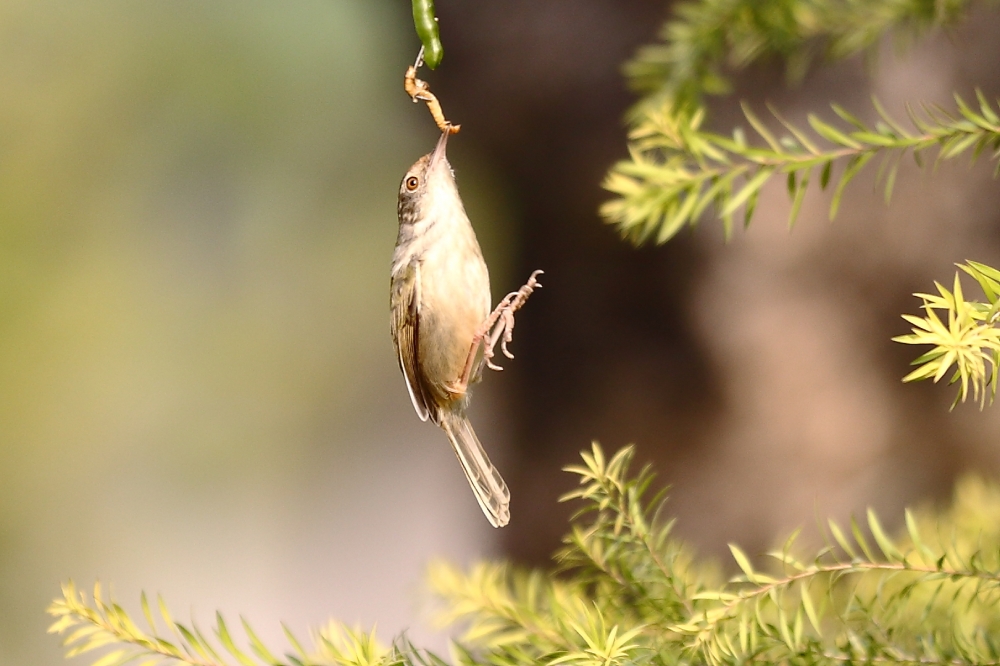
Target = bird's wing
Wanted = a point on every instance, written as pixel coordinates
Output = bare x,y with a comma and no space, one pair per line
406,331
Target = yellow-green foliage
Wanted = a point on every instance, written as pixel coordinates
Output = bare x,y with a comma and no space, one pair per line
967,339
677,171
706,40
966,534
91,624
624,591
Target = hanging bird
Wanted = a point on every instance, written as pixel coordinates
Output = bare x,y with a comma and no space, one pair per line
440,301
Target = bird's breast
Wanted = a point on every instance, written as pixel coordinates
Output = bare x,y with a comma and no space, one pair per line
454,300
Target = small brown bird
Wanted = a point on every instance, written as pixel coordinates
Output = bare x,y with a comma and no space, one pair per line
440,301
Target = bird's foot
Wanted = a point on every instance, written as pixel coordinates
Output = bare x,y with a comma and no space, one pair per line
499,326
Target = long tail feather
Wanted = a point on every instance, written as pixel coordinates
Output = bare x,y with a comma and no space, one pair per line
486,482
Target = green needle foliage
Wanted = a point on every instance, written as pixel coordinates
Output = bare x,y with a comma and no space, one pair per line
677,171
625,591
95,624
707,37
964,337
631,595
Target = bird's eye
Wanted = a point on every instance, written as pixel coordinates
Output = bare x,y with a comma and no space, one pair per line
412,182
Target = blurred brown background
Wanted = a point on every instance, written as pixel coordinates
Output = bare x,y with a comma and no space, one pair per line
199,395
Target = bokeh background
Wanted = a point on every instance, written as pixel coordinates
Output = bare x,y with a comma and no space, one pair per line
198,395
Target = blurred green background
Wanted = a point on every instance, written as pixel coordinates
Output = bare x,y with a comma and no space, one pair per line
197,210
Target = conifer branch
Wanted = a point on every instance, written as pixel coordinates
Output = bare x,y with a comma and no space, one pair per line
865,598
708,37
968,339
677,170
619,512
627,592
90,625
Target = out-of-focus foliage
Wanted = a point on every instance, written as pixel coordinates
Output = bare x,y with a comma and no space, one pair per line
677,170
91,624
707,37
626,592
968,339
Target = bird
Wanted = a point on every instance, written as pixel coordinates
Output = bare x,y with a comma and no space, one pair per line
442,325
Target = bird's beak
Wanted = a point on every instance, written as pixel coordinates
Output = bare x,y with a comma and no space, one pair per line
439,151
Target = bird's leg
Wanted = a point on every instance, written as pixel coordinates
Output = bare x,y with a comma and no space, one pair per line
498,327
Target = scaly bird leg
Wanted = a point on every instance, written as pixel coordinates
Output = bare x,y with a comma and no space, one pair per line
419,90
498,327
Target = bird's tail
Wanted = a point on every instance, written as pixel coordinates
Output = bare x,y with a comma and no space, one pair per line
486,482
